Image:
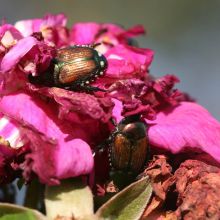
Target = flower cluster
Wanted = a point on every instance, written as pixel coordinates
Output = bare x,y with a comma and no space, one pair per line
50,132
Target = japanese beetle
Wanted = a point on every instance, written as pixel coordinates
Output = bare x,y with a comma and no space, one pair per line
74,68
128,146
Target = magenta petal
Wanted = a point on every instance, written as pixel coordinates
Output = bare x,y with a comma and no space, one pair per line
186,126
13,31
57,152
16,53
82,103
117,110
27,27
11,132
84,33
133,31
54,20
128,62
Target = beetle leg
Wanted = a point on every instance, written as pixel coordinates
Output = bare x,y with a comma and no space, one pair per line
100,148
113,121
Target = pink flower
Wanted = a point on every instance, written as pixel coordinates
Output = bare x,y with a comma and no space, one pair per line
147,96
106,33
28,56
57,129
52,27
126,62
52,141
188,125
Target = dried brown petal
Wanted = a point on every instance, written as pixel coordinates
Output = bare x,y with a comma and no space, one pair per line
160,175
159,172
198,185
111,187
190,171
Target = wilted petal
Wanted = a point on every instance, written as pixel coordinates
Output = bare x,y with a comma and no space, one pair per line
6,156
128,62
52,27
117,110
55,20
133,32
11,132
186,126
10,160
84,33
28,56
16,53
27,27
197,186
9,35
52,139
84,104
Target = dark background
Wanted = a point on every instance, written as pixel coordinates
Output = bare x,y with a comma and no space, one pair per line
184,34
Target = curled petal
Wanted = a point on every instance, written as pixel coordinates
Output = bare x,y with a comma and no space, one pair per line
186,126
51,139
27,27
28,56
128,62
117,110
9,35
133,32
10,160
11,132
81,103
52,27
16,53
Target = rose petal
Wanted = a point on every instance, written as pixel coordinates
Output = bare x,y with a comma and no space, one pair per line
16,53
27,27
9,35
117,110
133,32
127,62
53,141
84,33
11,132
186,126
82,103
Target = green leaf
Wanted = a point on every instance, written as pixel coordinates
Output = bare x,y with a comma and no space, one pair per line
128,204
27,215
70,198
14,212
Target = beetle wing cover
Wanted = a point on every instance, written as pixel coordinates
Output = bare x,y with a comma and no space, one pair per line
68,54
78,63
121,151
139,154
76,70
